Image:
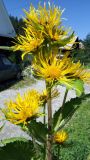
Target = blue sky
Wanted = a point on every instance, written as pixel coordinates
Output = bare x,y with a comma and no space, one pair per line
77,12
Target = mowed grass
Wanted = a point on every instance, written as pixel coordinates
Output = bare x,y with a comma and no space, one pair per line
77,146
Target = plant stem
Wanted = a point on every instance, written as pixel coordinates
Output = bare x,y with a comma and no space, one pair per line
49,138
44,118
58,150
44,121
65,96
35,146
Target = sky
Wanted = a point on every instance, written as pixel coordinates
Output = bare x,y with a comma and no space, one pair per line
76,14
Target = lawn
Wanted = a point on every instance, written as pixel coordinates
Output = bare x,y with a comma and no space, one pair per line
78,144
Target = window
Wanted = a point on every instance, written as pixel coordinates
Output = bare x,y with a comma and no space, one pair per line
6,61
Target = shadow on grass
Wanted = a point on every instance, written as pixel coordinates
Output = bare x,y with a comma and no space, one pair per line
7,84
15,84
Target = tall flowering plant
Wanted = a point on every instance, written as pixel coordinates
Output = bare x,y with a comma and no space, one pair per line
43,36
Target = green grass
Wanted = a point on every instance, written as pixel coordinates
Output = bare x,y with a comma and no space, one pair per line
78,144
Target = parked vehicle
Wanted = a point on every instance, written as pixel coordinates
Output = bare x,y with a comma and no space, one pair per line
8,70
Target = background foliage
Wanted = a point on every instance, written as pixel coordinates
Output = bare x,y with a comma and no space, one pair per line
84,54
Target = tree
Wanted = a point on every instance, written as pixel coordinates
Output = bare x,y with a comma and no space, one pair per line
18,24
86,55
83,53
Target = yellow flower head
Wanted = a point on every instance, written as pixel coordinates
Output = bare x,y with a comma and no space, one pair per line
53,69
23,108
46,20
27,43
60,137
42,25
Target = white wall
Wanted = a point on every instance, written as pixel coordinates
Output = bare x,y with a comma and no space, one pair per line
6,28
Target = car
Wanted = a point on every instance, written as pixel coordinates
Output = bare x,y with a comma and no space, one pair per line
8,69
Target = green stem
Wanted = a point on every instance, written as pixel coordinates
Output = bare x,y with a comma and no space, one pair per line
49,138
34,142
65,96
58,147
44,121
35,146
44,111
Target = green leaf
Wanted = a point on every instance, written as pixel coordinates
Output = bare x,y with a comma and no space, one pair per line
77,85
57,120
12,139
38,130
17,151
64,114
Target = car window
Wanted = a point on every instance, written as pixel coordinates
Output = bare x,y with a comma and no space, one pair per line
6,61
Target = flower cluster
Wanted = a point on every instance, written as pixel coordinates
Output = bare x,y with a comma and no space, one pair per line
42,25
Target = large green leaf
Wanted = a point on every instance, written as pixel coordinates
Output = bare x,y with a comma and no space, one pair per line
12,139
77,85
21,151
65,113
17,151
38,130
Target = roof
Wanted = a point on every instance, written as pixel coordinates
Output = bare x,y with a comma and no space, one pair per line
6,27
70,45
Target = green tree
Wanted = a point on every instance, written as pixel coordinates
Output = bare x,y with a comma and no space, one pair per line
18,24
83,53
87,49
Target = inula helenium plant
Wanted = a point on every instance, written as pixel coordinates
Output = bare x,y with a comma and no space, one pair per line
44,36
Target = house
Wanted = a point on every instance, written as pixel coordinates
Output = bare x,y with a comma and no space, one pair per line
7,32
74,45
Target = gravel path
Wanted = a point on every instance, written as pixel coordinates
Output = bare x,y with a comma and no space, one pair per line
11,130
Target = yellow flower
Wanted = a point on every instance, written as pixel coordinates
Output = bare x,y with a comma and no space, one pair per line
60,137
27,43
62,70
23,108
42,27
46,20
